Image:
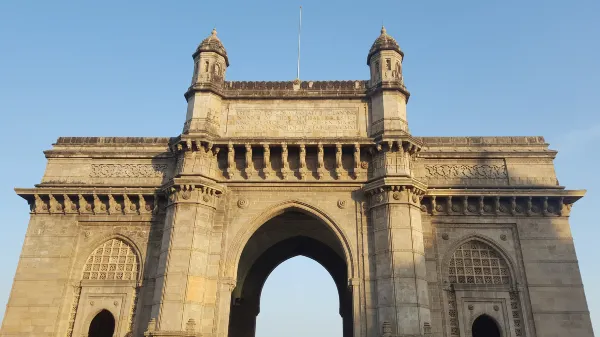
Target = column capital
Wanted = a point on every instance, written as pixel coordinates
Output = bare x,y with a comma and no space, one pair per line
181,190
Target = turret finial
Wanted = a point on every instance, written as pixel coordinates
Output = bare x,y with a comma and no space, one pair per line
383,31
214,32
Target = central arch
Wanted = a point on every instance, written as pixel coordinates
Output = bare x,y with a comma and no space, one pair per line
290,233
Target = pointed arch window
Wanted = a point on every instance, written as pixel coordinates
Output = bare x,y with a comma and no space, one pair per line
476,262
113,260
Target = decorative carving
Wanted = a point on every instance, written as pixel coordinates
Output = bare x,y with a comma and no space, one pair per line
69,207
84,207
190,326
285,166
320,163
230,160
73,312
113,260
513,205
302,168
386,329
242,203
449,171
396,195
99,207
471,307
357,162
144,208
113,205
475,262
40,205
134,298
496,308
338,161
342,204
55,206
267,161
129,206
128,170
249,170
453,313
445,236
516,312
503,237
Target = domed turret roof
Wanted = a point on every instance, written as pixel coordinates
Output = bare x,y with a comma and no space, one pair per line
384,42
212,44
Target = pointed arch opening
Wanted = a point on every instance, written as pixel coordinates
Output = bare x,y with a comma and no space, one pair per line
485,326
289,234
102,325
113,260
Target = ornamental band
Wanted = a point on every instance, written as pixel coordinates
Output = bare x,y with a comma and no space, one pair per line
423,236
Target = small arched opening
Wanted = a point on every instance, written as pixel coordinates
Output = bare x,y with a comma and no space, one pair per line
103,325
485,326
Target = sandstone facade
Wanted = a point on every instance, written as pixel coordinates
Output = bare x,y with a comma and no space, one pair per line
423,236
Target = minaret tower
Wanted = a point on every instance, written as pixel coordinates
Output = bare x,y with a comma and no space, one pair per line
393,197
388,93
204,101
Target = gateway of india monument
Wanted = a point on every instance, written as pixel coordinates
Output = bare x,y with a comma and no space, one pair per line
423,236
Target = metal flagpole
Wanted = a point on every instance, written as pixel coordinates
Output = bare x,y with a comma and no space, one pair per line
299,31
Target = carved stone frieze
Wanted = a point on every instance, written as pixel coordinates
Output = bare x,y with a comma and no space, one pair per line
466,171
128,170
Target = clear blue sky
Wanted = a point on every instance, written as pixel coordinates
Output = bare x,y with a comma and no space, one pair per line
478,68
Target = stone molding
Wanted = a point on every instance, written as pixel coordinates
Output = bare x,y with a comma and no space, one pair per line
515,203
92,202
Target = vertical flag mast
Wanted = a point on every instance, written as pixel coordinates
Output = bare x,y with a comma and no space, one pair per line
299,30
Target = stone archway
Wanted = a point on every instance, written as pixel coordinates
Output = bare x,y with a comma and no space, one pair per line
102,325
287,235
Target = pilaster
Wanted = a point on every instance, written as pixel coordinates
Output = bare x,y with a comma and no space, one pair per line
399,259
186,281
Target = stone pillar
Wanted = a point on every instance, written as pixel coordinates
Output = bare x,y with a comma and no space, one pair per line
402,293
185,288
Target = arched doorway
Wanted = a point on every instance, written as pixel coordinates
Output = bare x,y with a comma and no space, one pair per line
103,325
485,326
287,235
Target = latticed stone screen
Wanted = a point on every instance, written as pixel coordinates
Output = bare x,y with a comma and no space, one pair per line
477,263
113,260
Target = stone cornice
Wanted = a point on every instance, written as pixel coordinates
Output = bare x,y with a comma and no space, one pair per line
93,201
507,202
283,89
397,86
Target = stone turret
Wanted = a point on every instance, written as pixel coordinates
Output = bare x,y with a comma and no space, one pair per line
204,105
388,93
210,60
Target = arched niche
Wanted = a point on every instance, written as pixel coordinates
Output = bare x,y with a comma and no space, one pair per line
482,281
109,280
